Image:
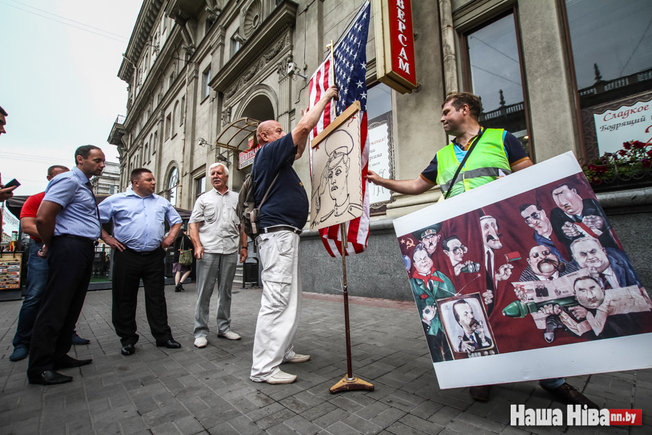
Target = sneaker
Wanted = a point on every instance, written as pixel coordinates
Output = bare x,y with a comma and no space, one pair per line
229,335
20,352
78,341
201,342
280,377
298,358
567,394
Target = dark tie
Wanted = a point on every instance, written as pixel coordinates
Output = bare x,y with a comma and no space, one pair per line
489,276
97,210
605,281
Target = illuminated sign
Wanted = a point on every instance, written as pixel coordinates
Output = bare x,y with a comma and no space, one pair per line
395,61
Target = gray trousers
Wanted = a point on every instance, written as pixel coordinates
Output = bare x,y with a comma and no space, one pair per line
214,268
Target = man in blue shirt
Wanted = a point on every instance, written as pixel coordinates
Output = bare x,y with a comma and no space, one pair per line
139,240
68,224
282,217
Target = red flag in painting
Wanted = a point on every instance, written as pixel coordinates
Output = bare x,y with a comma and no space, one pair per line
348,73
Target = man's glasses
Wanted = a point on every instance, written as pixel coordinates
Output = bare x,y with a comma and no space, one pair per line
536,216
542,254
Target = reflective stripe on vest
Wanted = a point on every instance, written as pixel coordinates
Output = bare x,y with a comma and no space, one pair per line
482,166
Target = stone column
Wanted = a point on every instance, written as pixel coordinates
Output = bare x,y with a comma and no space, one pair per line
555,128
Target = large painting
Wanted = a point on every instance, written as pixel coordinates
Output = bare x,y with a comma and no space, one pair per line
524,278
336,169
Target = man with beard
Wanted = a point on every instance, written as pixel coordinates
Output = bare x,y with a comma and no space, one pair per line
535,217
543,265
576,217
428,285
610,266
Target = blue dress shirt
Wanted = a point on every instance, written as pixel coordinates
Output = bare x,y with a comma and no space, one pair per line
137,221
78,216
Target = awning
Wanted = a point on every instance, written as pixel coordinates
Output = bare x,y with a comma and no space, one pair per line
235,136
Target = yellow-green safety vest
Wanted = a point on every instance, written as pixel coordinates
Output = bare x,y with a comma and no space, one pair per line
482,166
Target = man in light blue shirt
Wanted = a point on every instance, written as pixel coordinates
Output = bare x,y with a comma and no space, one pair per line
68,223
140,242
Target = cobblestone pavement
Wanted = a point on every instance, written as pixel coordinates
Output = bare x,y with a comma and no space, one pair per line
207,391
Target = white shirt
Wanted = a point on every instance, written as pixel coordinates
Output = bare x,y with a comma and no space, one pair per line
216,213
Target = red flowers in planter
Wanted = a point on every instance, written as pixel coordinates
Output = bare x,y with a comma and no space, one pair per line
632,162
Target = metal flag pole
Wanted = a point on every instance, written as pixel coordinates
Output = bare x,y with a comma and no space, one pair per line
349,382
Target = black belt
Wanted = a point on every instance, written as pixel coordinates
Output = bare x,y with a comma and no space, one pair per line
85,239
281,228
141,253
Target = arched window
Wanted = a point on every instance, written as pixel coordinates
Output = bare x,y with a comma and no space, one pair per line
173,184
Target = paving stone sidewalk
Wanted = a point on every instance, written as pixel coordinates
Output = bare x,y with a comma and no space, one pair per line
207,391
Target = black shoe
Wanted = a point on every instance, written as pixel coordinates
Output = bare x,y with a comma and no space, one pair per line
20,352
170,344
128,349
78,341
481,393
179,288
49,377
68,362
567,394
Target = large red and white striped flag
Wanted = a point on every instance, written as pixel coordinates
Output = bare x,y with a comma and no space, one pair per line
348,73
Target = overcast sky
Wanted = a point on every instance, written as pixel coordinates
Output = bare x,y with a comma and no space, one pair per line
58,81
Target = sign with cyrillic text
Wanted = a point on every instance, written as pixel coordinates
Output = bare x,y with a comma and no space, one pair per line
624,124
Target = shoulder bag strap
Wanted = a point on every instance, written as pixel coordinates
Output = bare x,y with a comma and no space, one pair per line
262,201
459,168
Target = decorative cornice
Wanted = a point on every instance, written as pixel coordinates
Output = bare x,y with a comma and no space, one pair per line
259,65
255,49
147,17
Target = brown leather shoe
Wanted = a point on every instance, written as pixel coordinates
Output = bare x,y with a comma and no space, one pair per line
567,394
481,393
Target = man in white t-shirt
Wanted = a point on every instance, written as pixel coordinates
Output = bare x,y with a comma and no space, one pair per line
215,232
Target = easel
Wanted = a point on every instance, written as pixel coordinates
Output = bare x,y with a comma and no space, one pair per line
349,382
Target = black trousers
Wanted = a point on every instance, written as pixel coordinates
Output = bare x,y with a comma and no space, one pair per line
70,263
129,267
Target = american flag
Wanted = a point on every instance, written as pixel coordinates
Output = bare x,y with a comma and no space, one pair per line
348,73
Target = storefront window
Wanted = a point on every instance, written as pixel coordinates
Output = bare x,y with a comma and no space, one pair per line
379,116
173,184
200,185
612,56
495,76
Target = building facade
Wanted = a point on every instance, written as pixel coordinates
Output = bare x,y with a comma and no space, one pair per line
545,69
109,182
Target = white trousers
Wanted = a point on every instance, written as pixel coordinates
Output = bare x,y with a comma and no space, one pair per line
280,303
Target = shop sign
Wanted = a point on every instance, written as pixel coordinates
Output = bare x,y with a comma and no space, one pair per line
246,158
379,160
395,61
626,123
